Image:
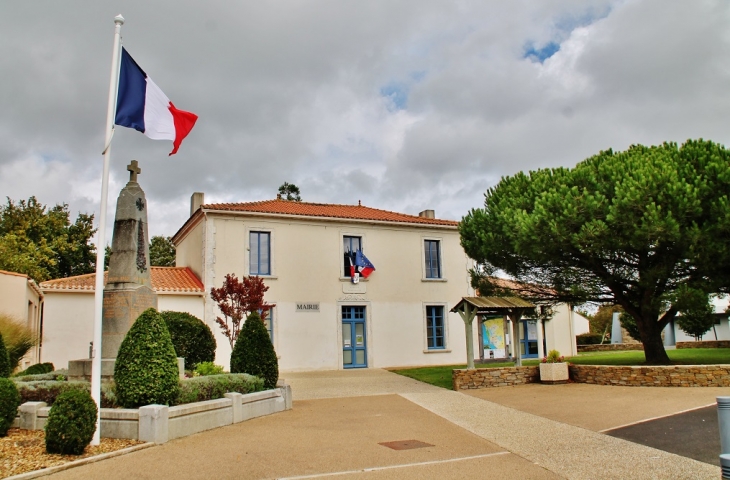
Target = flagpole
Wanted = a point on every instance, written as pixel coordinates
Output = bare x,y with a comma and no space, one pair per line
101,233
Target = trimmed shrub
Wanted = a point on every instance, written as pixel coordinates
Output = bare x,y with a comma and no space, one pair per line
5,369
254,354
71,423
48,390
146,368
208,368
191,338
9,402
37,369
588,339
61,375
199,389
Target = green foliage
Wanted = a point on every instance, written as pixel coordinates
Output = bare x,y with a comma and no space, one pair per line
46,390
696,312
5,369
589,339
254,354
553,356
42,242
9,402
191,338
146,368
162,252
208,368
626,228
602,321
71,423
18,338
289,191
37,369
199,389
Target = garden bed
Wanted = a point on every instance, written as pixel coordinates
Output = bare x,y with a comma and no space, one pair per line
160,423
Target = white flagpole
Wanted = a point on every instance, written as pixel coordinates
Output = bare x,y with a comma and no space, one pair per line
101,233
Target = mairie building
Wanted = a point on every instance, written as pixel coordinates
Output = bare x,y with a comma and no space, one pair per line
321,319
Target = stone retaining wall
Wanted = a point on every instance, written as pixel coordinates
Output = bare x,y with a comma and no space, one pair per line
463,379
705,344
654,376
160,423
610,347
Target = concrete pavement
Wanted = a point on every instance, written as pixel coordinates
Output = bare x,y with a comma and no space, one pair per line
341,420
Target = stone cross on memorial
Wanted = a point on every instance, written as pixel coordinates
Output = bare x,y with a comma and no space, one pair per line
128,290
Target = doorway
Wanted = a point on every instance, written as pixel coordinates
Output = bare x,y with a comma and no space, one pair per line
354,341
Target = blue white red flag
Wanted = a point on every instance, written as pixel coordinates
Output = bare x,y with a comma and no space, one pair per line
363,265
142,105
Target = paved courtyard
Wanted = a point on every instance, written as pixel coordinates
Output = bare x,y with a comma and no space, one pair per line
373,424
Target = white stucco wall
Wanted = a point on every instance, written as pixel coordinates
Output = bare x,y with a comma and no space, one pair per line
558,334
68,324
68,327
306,266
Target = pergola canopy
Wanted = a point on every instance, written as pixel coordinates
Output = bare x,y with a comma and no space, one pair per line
493,305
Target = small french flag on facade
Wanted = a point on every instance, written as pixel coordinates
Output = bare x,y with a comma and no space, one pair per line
143,106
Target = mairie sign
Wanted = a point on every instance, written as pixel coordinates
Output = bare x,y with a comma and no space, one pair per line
307,307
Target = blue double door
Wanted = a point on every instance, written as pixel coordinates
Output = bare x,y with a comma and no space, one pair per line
354,338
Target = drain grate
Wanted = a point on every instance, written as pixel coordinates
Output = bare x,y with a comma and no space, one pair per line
405,444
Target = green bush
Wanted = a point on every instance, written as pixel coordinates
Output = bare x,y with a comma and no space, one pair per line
37,369
146,368
71,423
199,389
5,369
208,368
9,401
191,338
254,354
48,390
54,375
588,339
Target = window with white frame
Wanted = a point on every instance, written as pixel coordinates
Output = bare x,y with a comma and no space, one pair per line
350,245
435,336
259,256
432,251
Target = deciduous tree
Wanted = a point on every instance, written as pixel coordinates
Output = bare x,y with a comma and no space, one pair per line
630,228
43,243
162,252
236,300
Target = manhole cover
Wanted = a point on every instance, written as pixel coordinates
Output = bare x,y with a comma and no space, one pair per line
405,444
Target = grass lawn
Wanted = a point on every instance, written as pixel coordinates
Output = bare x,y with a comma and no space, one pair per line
441,375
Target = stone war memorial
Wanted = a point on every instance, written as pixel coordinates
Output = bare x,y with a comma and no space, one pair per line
128,291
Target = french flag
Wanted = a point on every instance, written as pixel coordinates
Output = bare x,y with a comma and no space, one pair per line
142,105
363,265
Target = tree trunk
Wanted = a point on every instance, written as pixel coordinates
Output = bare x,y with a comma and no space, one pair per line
651,337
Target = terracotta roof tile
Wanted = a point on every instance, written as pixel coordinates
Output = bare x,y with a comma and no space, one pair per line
164,279
357,212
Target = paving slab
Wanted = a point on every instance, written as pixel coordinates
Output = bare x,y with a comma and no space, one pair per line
599,407
317,438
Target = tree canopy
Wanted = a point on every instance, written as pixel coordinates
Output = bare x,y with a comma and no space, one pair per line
42,242
289,191
162,252
640,229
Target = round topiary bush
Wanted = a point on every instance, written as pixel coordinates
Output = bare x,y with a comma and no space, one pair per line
9,401
253,352
5,369
146,371
191,338
71,423
37,369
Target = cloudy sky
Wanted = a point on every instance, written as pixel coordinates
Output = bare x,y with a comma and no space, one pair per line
405,105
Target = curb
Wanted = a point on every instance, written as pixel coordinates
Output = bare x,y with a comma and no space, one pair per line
77,463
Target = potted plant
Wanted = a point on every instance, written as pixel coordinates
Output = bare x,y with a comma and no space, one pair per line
553,368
